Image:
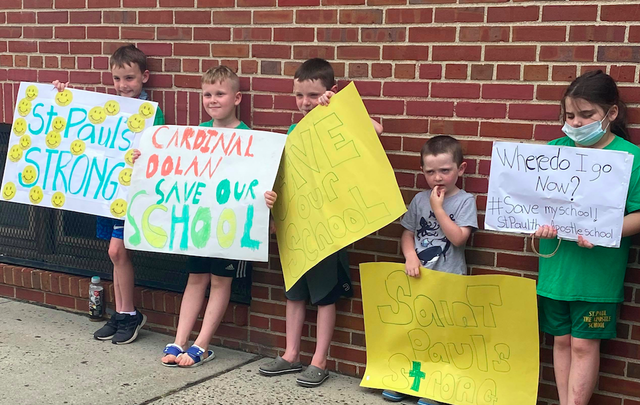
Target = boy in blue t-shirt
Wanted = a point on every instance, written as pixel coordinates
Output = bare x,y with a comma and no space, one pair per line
129,71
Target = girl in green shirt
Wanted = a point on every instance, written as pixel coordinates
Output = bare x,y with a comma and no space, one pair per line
581,286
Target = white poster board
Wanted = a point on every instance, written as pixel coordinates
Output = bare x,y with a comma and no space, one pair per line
199,191
72,150
578,191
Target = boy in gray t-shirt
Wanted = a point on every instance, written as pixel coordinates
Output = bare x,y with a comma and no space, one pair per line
439,220
428,238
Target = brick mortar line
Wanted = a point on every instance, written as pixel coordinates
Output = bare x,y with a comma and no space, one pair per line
479,25
282,318
294,24
382,26
510,82
454,44
478,4
522,253
45,305
272,301
126,24
368,62
505,120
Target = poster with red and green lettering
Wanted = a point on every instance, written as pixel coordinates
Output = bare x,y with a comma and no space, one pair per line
72,149
199,191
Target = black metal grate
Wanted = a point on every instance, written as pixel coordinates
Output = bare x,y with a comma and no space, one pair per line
66,241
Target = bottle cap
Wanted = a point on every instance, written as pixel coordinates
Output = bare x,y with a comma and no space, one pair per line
95,280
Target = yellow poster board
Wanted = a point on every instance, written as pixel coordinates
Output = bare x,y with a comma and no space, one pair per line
462,340
335,185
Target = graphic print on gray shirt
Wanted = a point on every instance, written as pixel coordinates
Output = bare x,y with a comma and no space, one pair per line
434,250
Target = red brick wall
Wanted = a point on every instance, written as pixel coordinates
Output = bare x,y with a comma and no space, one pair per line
476,69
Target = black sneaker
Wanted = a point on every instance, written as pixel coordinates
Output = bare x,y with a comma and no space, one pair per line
128,328
108,330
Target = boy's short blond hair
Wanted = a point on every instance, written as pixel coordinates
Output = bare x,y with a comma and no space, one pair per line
128,55
219,74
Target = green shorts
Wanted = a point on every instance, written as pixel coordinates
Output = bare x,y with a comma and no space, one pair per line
584,320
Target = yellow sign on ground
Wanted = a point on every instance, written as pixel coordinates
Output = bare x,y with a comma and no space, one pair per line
456,339
335,185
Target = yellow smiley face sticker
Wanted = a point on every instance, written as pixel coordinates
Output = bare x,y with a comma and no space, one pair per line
8,191
125,176
136,123
15,153
64,98
25,142
32,92
53,139
20,126
111,107
29,174
97,115
128,157
119,208
58,199
58,124
35,195
77,147
146,110
24,107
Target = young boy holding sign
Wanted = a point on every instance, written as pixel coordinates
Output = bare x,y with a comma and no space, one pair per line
580,287
220,97
129,71
439,220
314,84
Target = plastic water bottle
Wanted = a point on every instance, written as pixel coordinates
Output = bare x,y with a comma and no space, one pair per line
96,299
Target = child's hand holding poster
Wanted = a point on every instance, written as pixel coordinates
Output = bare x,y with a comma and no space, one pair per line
72,149
578,191
199,191
335,185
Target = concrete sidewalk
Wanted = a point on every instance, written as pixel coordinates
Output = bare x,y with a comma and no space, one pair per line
49,356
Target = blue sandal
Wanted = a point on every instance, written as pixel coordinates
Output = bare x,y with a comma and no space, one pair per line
174,350
196,352
393,396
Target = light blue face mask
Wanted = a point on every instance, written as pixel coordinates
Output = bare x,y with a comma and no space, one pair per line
586,135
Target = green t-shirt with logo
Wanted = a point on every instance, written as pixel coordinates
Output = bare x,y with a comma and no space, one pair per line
242,125
159,118
597,274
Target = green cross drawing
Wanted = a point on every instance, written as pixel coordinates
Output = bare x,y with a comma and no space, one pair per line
417,376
